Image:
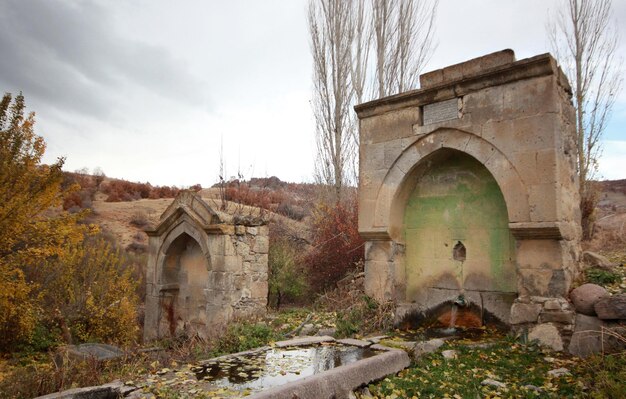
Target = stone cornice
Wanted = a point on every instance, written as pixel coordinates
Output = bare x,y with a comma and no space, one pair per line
540,65
536,230
375,235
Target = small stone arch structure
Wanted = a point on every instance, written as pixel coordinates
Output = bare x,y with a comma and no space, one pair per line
203,269
469,186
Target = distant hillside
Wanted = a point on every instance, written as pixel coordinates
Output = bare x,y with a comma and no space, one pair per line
123,209
292,200
111,190
610,227
612,196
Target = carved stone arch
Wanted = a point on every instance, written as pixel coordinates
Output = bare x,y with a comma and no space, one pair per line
468,192
415,159
196,277
185,225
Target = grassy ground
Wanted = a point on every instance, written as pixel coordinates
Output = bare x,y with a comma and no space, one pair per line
30,374
523,369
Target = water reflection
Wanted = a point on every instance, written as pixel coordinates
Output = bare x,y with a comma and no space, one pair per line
279,366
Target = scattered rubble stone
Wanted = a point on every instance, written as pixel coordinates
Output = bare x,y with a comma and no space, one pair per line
611,308
585,297
560,372
422,348
449,354
493,383
593,259
307,329
547,335
525,313
532,388
326,331
376,339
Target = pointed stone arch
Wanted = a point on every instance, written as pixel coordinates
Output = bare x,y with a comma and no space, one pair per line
405,171
514,120
203,269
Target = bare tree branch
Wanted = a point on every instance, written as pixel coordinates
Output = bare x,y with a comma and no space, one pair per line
584,40
404,41
331,25
344,33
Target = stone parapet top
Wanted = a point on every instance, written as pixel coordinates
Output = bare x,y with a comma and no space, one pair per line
458,85
467,69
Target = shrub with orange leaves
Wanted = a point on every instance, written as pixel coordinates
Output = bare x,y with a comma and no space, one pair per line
338,247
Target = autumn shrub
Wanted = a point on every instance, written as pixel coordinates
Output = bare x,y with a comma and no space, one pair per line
93,293
364,316
337,245
139,218
291,211
37,376
27,189
80,189
17,308
55,272
588,203
286,275
118,190
241,193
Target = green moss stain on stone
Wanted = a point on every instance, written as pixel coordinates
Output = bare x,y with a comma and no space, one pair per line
458,200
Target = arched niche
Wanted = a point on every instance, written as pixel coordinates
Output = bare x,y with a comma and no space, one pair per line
455,229
183,280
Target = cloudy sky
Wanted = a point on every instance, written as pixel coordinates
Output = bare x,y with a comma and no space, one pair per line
150,90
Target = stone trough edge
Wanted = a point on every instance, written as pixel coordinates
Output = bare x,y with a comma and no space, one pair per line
336,382
339,382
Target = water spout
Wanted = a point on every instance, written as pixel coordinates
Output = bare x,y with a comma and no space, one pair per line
452,324
460,301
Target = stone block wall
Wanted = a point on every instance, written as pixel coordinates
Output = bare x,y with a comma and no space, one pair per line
516,119
237,282
204,270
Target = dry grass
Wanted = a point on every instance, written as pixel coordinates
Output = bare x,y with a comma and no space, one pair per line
118,217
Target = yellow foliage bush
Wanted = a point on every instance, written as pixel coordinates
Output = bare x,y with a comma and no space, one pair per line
54,271
17,310
93,292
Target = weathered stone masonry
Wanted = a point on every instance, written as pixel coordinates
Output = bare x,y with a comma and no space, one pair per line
468,186
204,269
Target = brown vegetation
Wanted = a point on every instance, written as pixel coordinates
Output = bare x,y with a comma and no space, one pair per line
337,245
121,190
293,200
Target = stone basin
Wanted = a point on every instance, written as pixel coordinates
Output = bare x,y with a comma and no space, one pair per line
309,367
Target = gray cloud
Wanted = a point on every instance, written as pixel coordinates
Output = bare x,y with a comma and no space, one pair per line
69,54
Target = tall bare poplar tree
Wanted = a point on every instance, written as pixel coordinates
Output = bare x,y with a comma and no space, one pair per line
344,34
360,49
403,33
584,39
331,26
